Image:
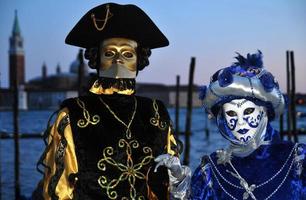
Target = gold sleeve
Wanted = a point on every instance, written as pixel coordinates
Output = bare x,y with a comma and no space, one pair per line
171,143
64,189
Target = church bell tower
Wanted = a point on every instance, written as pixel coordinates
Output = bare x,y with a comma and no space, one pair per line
16,55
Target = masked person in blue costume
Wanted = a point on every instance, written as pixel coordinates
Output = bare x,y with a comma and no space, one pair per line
244,98
103,144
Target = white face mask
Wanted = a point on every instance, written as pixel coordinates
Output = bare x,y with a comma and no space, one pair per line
243,118
118,58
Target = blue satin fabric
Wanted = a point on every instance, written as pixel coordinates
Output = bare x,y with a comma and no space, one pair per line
256,168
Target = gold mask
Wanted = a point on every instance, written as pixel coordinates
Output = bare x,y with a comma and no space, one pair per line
118,58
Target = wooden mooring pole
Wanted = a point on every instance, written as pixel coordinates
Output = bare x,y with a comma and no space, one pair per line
206,129
80,72
293,99
288,95
16,135
189,112
177,107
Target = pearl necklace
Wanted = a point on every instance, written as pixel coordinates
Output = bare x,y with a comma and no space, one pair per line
245,186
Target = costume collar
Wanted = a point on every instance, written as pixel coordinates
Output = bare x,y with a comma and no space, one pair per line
111,86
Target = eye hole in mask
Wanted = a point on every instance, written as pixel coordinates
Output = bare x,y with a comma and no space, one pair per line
128,54
231,113
248,111
109,54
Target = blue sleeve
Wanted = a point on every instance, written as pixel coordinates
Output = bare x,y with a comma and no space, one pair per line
201,183
299,178
302,151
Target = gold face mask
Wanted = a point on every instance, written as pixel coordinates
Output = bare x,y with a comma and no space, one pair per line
118,58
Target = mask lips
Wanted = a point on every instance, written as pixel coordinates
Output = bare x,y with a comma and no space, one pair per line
243,131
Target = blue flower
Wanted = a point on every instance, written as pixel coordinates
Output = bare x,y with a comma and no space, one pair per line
267,80
202,92
225,78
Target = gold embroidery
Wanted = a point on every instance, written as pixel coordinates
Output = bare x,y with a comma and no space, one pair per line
128,131
82,123
155,121
130,171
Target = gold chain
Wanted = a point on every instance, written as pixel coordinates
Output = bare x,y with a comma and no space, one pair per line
128,131
107,16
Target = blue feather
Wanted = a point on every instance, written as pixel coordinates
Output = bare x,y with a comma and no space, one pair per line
251,60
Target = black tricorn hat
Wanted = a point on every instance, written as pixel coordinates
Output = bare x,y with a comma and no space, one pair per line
115,20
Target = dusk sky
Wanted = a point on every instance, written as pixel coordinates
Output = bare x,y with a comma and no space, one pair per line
212,31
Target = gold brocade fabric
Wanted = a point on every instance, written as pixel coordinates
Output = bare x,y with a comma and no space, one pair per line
97,88
64,189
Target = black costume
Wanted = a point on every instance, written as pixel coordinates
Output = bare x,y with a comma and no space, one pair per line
103,145
110,155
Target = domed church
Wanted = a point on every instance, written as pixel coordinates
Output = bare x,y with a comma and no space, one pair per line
48,91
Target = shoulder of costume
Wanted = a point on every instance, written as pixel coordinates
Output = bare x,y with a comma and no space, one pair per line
284,147
206,159
284,144
67,102
303,145
143,99
71,101
204,167
301,148
148,102
147,99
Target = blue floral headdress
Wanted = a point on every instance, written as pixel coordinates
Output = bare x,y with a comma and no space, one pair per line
247,79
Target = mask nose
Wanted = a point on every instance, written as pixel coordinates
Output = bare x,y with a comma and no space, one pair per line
240,120
117,59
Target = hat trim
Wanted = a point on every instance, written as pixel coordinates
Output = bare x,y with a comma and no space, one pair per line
243,86
108,15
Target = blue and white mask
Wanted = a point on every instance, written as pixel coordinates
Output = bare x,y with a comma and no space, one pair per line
244,119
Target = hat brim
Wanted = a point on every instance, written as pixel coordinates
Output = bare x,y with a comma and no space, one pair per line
124,21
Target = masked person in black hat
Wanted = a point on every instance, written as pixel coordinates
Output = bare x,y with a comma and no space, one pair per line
102,145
